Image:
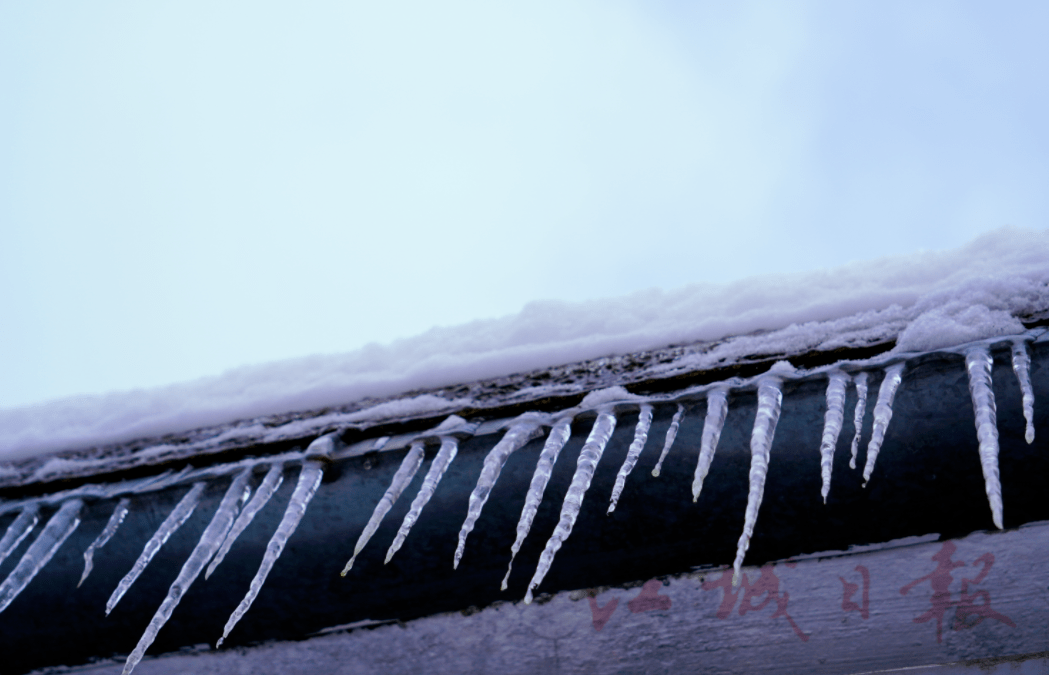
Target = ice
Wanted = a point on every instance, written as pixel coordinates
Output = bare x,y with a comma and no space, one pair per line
180,514
882,415
589,456
555,442
857,416
832,422
19,529
978,363
644,421
119,513
515,438
717,410
1022,368
273,479
770,399
449,448
309,479
675,422
409,466
40,551
209,542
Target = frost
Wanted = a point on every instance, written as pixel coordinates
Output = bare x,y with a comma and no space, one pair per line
770,400
857,416
40,551
717,410
589,456
832,422
449,448
882,416
1022,368
644,421
978,363
273,479
675,423
119,513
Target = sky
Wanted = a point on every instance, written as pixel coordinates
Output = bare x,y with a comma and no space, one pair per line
186,188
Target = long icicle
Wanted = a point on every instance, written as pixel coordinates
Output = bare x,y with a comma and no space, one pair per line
978,363
119,513
589,456
675,423
209,542
409,466
717,410
832,421
882,416
19,529
179,515
1022,368
39,553
515,438
444,457
644,422
544,468
309,479
770,400
273,480
857,416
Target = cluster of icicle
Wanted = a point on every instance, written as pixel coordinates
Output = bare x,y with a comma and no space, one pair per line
236,511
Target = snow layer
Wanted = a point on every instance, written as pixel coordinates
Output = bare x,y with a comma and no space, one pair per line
930,297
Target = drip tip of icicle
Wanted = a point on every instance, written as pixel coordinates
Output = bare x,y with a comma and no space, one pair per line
349,565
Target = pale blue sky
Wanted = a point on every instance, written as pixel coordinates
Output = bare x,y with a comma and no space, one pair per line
187,187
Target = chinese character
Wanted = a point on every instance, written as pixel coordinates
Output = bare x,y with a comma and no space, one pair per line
849,589
940,580
767,585
649,598
602,614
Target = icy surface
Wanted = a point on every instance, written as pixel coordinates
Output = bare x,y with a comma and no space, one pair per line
309,479
857,415
832,422
208,543
409,466
449,448
644,421
119,513
514,439
978,363
717,410
273,479
39,553
882,416
179,515
555,442
1001,274
589,456
675,424
770,400
19,529
1022,368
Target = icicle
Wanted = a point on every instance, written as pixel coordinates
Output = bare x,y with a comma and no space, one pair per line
209,542
449,448
516,437
857,417
39,553
770,399
119,513
589,456
675,422
272,481
19,529
409,466
882,415
832,421
978,362
180,514
309,480
644,421
717,410
555,442
1022,368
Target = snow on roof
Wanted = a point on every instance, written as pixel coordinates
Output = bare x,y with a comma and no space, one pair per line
925,300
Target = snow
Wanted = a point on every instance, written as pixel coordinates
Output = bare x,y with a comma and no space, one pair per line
926,299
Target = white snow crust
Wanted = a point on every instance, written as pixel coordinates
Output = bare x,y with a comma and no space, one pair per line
927,299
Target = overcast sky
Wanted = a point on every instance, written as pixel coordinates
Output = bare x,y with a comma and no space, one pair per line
188,187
